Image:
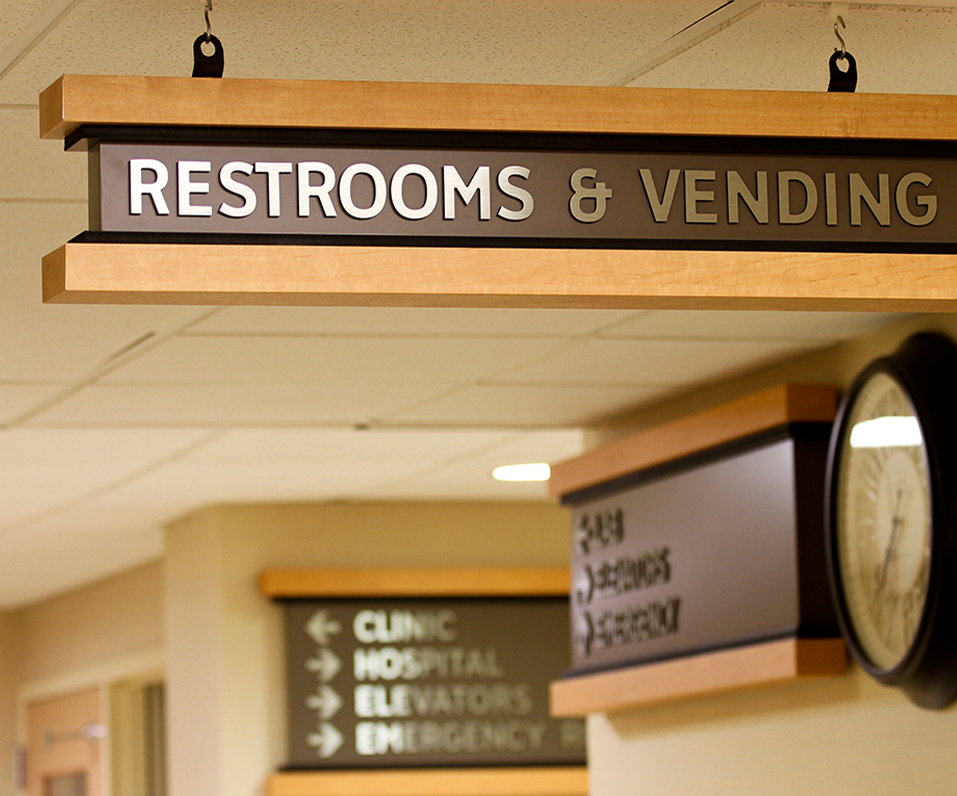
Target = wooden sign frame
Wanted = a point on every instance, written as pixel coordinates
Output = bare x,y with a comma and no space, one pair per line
749,666
494,277
447,582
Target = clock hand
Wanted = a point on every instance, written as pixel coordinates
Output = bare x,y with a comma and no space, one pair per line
896,522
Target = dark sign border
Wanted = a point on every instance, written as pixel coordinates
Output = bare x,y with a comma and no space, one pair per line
88,135
814,616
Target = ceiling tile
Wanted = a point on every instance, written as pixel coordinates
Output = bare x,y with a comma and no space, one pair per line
122,449
15,399
817,327
323,445
409,321
653,362
58,342
15,18
270,402
184,486
36,490
528,405
35,169
45,472
472,478
47,559
486,41
383,361
788,46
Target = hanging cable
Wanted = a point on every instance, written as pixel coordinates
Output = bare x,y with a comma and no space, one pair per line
842,79
208,65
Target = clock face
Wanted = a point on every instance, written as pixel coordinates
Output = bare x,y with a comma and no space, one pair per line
883,521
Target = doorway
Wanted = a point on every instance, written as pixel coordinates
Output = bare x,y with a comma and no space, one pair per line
65,746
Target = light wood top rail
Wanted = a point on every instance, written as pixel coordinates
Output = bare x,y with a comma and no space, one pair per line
89,99
762,411
756,665
445,582
530,781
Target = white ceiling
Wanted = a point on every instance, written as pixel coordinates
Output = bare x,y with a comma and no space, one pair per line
115,420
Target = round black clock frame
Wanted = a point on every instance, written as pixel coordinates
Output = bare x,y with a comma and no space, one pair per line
925,366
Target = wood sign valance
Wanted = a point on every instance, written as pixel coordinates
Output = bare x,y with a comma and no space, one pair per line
298,192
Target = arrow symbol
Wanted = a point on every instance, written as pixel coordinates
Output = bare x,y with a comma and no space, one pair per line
585,587
583,533
326,664
586,634
320,627
326,701
327,741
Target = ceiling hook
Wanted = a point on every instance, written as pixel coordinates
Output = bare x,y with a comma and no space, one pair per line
843,48
207,65
209,29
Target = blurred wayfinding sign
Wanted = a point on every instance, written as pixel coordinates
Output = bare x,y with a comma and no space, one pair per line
713,549
391,683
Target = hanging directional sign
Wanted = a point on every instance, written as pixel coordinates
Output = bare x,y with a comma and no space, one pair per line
701,536
313,192
422,682
701,557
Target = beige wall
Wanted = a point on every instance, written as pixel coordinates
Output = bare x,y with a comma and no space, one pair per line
114,619
225,678
84,639
836,365
844,735
834,737
9,677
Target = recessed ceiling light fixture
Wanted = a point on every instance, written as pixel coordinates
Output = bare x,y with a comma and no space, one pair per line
522,472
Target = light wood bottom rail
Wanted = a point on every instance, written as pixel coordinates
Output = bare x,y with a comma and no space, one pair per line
530,781
441,582
104,273
700,675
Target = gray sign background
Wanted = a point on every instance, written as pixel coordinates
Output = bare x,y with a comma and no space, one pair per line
730,532
497,715
628,215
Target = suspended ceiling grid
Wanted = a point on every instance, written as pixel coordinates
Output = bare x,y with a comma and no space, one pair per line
115,420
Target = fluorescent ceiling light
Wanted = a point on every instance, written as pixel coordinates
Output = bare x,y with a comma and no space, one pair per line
522,472
884,432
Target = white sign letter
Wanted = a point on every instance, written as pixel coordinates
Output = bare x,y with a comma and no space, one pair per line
479,184
693,195
186,188
321,191
155,189
379,191
272,172
785,216
242,190
523,196
927,200
431,191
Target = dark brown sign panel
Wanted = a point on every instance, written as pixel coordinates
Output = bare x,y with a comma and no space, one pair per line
624,193
423,682
712,555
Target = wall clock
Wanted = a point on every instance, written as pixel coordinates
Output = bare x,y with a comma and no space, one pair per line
891,519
